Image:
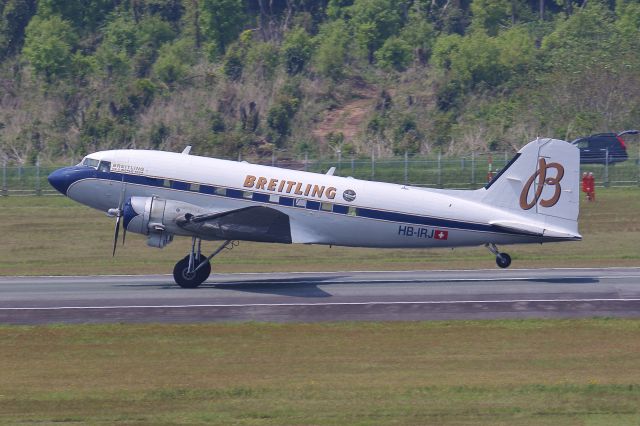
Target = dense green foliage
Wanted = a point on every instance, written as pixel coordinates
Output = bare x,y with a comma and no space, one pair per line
240,77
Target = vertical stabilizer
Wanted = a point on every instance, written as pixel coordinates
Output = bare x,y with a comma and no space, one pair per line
541,184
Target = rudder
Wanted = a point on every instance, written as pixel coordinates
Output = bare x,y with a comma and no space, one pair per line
541,182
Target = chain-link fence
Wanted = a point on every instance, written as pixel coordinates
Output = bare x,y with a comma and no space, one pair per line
467,172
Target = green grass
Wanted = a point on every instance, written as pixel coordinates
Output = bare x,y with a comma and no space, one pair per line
465,372
569,372
53,235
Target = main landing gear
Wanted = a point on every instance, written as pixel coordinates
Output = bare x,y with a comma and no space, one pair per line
503,260
195,268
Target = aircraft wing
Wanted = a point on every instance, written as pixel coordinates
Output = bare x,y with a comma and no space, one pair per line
255,223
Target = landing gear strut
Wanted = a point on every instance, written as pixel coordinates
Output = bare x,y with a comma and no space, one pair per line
503,260
195,268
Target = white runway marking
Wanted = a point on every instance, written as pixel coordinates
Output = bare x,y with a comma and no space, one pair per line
249,305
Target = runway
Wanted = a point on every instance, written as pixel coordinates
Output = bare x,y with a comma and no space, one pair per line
334,296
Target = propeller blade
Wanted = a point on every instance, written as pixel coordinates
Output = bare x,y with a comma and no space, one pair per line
115,236
123,189
119,212
124,234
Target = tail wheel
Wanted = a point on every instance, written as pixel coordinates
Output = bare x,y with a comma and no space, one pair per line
503,260
186,279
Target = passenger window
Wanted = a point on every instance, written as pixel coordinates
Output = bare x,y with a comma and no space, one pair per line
352,211
274,198
247,195
327,207
221,191
105,166
166,183
195,187
300,202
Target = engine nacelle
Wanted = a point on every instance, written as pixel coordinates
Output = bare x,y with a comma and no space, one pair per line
159,239
156,218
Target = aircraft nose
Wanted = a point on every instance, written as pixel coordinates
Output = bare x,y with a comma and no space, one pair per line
61,179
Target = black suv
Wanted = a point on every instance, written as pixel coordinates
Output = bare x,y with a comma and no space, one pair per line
603,147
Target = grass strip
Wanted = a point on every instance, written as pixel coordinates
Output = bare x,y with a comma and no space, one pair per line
442,372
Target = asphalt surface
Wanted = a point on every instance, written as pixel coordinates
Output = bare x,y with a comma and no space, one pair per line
334,296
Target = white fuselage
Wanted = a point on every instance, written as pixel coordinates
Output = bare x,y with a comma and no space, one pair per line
323,209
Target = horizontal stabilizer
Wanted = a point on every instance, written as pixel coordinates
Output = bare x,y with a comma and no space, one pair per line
534,229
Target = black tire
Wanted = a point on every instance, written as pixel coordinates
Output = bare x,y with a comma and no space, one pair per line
503,260
185,280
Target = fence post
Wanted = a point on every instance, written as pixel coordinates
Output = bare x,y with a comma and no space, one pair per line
373,163
5,191
439,169
306,161
38,189
606,168
473,169
406,168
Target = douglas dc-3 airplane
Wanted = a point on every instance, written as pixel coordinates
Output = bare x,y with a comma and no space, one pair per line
534,199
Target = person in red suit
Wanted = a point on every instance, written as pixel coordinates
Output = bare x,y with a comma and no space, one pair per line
591,187
585,184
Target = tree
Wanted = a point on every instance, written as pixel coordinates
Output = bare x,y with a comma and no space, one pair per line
336,9
491,15
49,46
86,15
173,61
222,21
296,50
233,62
517,49
419,34
395,54
627,26
281,113
263,58
584,39
332,53
14,17
121,33
471,60
154,31
120,40
406,136
374,21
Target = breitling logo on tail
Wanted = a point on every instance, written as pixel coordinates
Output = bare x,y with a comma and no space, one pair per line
541,174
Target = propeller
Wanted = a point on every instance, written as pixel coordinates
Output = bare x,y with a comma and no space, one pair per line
116,231
117,213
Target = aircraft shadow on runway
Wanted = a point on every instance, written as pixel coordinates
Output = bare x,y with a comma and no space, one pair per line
296,287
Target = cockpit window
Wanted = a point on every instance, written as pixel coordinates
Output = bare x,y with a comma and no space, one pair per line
90,162
105,166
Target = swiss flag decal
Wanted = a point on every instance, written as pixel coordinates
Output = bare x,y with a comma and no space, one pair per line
440,235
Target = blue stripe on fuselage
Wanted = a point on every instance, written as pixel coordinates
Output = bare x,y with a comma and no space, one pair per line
369,213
